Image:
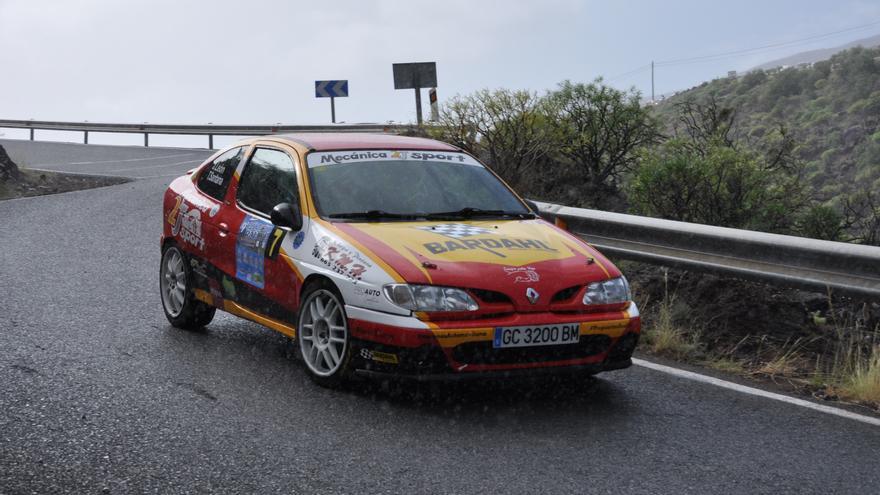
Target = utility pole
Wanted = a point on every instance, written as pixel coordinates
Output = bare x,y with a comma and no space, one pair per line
652,81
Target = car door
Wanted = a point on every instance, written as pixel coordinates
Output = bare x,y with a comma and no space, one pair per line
267,282
213,184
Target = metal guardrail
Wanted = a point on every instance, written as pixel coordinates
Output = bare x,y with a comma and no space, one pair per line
799,262
209,130
791,261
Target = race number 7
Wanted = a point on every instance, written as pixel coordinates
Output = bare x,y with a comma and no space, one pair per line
274,245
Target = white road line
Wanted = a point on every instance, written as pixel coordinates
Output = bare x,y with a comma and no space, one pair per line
117,161
198,160
755,391
91,174
111,172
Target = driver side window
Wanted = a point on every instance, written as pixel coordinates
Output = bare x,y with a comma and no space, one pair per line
268,178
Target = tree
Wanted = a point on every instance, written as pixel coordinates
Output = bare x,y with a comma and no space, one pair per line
862,217
705,124
505,127
705,175
598,129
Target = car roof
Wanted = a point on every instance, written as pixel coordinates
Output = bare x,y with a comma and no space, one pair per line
327,141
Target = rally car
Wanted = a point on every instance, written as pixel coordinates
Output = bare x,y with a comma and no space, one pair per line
388,255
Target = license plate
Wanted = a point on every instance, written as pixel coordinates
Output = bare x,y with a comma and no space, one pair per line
536,335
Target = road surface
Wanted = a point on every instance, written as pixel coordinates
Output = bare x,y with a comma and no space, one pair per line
99,394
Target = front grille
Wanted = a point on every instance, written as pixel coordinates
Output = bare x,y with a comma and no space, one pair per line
566,294
484,353
490,296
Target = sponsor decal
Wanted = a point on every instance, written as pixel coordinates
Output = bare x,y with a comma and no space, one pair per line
437,156
343,157
250,249
214,210
186,223
298,239
273,247
203,205
217,173
340,258
198,266
461,333
366,293
379,357
494,246
522,274
462,234
455,230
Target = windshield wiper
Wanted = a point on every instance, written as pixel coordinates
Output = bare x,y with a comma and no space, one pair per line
375,215
471,212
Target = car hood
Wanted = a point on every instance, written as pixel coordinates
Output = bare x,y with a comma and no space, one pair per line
508,256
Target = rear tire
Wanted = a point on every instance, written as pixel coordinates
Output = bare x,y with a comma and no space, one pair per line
179,303
323,336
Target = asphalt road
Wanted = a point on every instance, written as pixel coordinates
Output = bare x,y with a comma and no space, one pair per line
99,394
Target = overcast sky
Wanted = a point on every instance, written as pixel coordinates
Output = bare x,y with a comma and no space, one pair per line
256,61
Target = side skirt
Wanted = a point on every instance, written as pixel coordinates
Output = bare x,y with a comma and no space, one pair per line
243,312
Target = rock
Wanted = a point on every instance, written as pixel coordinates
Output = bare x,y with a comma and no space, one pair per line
8,169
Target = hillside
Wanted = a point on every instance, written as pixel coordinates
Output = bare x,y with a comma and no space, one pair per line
813,56
831,108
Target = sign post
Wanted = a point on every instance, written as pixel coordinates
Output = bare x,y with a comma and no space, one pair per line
432,98
415,76
332,90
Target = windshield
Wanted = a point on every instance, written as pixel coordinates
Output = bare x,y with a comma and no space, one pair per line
407,185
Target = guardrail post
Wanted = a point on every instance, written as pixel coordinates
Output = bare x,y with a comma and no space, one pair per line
32,133
146,140
85,137
210,141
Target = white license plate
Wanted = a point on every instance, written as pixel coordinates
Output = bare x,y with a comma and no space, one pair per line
536,335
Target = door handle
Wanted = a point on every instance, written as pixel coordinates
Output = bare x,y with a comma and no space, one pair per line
223,228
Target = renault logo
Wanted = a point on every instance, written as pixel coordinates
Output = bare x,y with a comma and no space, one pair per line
532,295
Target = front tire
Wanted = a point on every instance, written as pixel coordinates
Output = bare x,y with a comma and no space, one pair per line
179,303
323,336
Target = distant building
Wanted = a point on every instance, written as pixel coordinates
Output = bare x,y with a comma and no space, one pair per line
731,74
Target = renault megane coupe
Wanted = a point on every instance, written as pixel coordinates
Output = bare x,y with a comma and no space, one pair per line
387,255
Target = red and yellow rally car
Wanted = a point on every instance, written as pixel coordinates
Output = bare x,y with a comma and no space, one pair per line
383,255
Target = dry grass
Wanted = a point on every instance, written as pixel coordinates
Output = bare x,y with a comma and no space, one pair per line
854,373
663,336
786,361
725,364
863,383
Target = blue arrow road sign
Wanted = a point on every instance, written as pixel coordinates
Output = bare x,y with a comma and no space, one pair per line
331,89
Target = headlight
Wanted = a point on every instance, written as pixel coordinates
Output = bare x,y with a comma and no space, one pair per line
613,291
429,298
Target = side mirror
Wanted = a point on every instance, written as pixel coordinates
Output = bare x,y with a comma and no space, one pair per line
287,215
534,206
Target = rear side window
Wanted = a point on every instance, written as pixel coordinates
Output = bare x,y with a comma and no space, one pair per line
216,177
269,178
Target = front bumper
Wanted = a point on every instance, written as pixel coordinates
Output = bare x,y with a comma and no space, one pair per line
464,349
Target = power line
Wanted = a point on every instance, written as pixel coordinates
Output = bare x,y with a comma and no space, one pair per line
741,52
745,51
628,73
